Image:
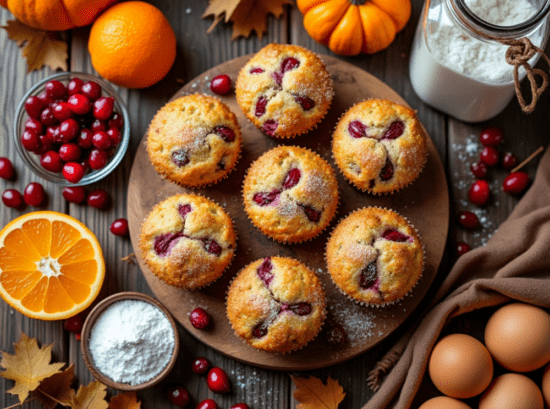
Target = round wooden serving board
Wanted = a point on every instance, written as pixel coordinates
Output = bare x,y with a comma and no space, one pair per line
425,203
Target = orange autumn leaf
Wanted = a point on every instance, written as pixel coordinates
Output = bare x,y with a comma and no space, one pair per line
314,394
38,47
246,15
125,401
28,367
57,389
90,397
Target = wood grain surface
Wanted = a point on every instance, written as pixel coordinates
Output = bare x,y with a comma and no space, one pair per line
196,53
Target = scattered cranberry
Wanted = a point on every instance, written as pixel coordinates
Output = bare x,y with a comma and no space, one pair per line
468,220
85,138
6,168
35,125
98,198
491,136
79,104
91,89
103,108
178,396
56,90
34,194
62,110
97,159
489,156
74,324
119,227
33,106
217,380
335,335
74,86
102,140
51,161
70,152
31,141
12,198
479,170
479,192
462,248
207,404
509,161
515,183
200,365
73,172
74,194
116,121
240,406
199,318
221,84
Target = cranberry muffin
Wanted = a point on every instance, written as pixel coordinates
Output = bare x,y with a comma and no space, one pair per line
380,146
194,141
375,256
290,194
285,90
188,241
276,304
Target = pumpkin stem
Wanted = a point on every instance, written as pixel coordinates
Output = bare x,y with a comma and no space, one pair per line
357,2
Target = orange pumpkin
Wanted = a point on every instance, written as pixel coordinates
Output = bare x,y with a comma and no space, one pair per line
350,27
56,15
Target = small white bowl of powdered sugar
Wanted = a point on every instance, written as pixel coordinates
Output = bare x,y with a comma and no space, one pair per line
130,341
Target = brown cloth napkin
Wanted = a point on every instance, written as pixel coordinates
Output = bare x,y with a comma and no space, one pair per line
514,265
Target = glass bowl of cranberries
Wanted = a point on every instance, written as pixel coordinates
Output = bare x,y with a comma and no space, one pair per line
71,129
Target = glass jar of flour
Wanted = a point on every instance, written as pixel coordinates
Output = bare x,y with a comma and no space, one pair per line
460,72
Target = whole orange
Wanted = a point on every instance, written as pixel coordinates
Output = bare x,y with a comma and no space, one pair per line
132,45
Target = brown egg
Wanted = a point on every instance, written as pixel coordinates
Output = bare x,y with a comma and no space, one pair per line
444,402
460,366
546,385
512,391
518,337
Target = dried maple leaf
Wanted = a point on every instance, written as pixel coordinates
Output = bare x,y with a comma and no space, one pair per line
246,15
38,47
125,401
28,367
313,394
56,389
90,397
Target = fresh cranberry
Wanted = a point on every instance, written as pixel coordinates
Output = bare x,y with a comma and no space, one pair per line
489,156
200,365
45,99
56,89
30,141
85,164
6,168
479,192
68,130
199,318
263,198
91,89
34,194
515,183
217,380
240,406
335,334
292,178
224,132
12,198
312,214
47,117
178,396
395,235
102,140
73,172
468,220
97,159
74,194
221,84
116,121
509,161
33,106
46,144
260,106
357,129
462,248
98,126
98,198
51,161
119,227
270,126
62,111
35,125
479,170
115,135
70,152
103,108
74,86
207,404
52,133
74,324
85,138
257,70
395,130
79,104
491,136
305,102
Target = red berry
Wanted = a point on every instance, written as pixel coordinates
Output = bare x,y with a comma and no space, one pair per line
68,130
74,86
240,406
479,170
217,380
335,334
34,194
98,125
6,168
47,117
468,220
30,141
91,89
207,404
489,156
509,161
200,365
119,227
116,136
79,104
97,159
45,99
491,136
462,248
515,183
199,318
221,84
56,90
116,121
74,324
12,198
85,138
479,192
62,110
102,140
178,396
103,108
51,161
33,106
98,198
78,337
46,144
35,125
85,165
73,172
70,152
52,133
74,194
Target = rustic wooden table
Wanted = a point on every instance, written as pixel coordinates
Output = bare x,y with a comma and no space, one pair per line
197,51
